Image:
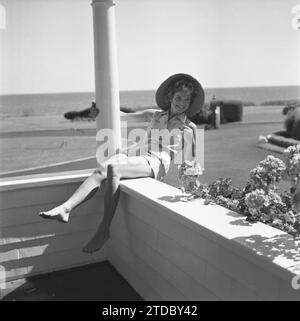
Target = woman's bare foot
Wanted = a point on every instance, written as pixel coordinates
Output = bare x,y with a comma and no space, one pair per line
60,213
97,241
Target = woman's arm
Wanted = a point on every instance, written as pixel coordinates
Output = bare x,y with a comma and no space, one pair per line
189,144
145,118
140,116
193,127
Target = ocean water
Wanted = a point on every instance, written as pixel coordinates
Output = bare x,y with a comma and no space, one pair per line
59,103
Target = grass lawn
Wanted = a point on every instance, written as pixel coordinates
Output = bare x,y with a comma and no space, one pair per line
229,152
26,152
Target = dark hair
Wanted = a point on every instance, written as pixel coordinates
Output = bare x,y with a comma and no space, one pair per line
181,85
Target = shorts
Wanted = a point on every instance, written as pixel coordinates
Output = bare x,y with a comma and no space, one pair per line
115,159
163,169
157,165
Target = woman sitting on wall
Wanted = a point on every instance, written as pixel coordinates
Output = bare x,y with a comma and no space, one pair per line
180,97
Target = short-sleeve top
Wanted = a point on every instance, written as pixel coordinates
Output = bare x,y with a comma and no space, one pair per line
183,139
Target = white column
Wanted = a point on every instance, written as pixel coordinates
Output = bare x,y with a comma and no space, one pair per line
106,69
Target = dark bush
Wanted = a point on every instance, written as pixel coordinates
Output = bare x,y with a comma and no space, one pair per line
88,114
290,107
231,110
287,109
85,113
203,116
199,118
292,123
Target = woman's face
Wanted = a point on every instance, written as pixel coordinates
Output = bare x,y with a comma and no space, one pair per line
180,102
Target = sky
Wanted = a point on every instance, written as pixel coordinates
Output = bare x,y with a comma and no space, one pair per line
47,46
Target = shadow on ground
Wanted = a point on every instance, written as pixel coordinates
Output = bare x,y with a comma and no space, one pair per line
94,282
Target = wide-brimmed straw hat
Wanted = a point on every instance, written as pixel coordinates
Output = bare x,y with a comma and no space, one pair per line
163,101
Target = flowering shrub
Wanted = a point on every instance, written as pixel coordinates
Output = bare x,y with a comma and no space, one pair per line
267,173
189,176
260,199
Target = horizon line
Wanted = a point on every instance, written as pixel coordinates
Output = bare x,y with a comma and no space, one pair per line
128,90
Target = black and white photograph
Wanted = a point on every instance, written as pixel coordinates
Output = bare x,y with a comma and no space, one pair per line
149,153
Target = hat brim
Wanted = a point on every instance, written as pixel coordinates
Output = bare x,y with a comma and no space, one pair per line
162,99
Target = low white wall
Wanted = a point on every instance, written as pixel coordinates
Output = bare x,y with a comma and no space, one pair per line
169,249
31,245
166,248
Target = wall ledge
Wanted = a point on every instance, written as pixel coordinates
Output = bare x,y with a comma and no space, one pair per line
265,246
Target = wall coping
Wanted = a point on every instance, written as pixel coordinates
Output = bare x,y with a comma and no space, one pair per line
265,246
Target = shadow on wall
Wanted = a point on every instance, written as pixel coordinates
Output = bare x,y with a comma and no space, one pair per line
31,245
279,247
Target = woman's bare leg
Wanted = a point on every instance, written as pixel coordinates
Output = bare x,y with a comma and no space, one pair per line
136,167
84,192
111,199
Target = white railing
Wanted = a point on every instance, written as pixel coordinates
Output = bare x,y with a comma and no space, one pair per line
166,248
